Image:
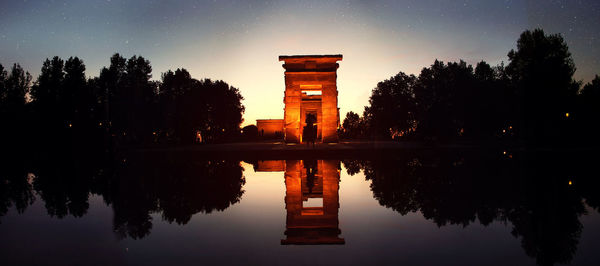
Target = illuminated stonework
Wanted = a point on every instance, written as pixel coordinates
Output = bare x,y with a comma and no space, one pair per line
270,128
310,88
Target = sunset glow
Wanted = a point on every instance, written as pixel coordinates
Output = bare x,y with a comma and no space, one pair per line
239,41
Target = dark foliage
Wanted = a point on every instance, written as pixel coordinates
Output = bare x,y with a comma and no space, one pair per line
250,133
533,100
188,108
542,203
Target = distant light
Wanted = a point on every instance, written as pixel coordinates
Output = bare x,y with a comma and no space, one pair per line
100,124
223,130
504,152
570,182
504,131
153,133
509,127
566,114
70,125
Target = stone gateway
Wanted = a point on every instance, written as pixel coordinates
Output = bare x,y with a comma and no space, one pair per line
311,94
310,98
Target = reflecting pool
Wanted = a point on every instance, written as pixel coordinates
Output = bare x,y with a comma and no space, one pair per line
418,208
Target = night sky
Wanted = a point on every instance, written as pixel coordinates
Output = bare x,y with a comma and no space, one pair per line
239,41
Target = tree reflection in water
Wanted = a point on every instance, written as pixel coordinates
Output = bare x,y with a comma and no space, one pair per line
542,195
175,186
135,186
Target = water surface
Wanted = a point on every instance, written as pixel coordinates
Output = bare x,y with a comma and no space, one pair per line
431,208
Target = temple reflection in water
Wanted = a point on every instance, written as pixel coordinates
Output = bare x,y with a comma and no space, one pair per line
311,200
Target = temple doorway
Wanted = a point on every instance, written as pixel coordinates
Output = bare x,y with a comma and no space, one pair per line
310,129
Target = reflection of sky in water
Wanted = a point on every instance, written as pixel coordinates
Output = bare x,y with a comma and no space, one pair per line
249,232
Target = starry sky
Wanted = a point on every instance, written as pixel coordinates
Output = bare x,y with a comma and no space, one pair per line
240,41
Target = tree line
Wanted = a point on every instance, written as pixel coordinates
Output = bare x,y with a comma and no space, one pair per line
121,106
534,99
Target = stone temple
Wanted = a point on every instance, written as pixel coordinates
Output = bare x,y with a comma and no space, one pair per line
310,94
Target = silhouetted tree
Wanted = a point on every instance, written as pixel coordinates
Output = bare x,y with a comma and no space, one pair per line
77,99
542,70
250,132
353,126
109,82
442,94
137,98
14,86
3,76
226,110
446,101
587,112
392,106
47,91
181,116
534,98
189,106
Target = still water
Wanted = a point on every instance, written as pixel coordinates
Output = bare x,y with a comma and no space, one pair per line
433,208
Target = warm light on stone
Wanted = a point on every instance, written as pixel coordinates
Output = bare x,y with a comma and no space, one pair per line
269,128
310,88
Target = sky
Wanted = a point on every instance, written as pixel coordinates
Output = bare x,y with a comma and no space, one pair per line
240,41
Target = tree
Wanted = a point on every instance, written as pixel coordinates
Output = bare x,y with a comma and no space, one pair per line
137,97
444,96
46,99
392,106
491,104
542,71
181,116
63,101
588,111
352,126
76,99
250,132
108,84
45,93
3,76
127,97
189,106
16,86
225,109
